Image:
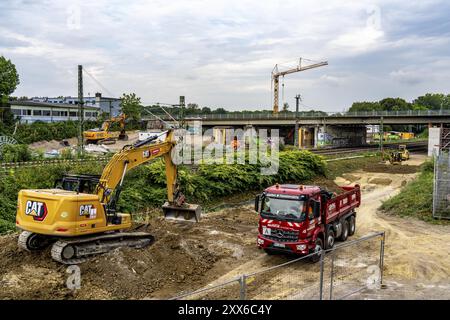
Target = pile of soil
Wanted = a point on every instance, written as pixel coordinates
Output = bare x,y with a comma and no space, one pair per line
184,257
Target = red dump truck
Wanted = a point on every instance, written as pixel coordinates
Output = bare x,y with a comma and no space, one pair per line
303,219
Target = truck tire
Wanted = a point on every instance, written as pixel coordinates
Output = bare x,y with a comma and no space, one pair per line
344,233
319,247
330,239
351,225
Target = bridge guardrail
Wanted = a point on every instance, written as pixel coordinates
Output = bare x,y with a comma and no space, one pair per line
319,114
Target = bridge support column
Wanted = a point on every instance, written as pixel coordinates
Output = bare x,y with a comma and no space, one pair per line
316,136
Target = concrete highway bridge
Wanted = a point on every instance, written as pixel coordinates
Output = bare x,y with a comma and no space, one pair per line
316,128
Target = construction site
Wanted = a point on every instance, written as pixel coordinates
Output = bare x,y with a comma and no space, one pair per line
109,197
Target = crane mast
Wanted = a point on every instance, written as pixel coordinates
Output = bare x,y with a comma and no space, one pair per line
276,78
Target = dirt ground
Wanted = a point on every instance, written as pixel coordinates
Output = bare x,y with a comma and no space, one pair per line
46,146
186,257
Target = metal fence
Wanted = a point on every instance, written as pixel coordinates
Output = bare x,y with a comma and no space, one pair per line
343,271
441,189
39,163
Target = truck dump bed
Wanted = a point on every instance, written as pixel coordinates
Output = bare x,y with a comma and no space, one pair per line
342,204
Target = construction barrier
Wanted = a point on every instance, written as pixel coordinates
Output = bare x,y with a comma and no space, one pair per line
342,272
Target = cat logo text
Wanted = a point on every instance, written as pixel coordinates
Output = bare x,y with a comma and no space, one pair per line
88,211
36,209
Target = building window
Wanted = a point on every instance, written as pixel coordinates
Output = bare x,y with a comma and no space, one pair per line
88,114
63,113
46,113
37,112
73,113
16,112
55,113
94,114
26,112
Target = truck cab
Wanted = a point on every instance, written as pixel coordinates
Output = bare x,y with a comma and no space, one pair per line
301,219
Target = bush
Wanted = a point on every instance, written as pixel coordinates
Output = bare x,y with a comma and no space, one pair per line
39,131
15,153
145,186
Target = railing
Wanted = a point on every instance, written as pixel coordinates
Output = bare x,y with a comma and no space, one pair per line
38,163
318,114
347,269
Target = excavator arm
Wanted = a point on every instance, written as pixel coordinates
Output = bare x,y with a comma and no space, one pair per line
111,180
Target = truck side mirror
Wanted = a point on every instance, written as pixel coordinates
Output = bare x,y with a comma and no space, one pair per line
257,201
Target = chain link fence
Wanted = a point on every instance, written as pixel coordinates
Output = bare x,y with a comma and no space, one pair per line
341,272
441,189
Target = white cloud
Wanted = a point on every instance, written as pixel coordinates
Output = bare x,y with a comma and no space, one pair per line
221,53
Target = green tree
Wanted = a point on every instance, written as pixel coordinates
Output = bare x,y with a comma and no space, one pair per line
285,107
433,101
131,106
9,78
394,104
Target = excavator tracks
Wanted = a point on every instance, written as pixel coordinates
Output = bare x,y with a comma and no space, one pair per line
79,250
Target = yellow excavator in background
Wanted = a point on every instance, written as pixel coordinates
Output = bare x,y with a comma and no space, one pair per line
79,215
103,135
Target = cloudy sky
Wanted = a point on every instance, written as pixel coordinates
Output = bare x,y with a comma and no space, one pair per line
221,53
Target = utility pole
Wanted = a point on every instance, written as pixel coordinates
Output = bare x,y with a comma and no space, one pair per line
80,110
297,99
182,106
381,133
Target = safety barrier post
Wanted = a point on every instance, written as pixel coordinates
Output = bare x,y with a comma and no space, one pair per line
383,239
332,273
322,255
243,286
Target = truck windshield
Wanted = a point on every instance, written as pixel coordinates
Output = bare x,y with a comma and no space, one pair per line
283,208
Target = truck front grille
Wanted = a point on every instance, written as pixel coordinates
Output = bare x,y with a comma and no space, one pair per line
283,235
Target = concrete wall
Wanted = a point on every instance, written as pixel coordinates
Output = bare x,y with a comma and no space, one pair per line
339,136
434,141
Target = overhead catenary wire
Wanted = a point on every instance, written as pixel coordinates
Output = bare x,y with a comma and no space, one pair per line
99,83
154,115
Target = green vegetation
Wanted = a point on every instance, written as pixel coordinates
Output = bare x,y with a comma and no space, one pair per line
28,178
416,198
9,78
15,153
144,187
39,131
131,106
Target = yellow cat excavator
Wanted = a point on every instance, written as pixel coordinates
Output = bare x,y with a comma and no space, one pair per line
79,215
103,135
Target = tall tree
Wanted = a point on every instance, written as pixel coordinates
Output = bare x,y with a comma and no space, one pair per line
434,101
285,107
131,106
9,78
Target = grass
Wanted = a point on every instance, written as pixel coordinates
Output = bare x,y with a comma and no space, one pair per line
415,199
338,168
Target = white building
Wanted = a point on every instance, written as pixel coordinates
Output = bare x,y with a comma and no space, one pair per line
31,111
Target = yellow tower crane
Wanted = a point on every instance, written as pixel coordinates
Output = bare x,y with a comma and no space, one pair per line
276,73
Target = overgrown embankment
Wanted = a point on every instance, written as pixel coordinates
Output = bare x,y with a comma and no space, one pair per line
416,198
145,186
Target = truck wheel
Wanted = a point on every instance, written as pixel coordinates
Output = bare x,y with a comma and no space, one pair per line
344,233
319,247
351,225
330,239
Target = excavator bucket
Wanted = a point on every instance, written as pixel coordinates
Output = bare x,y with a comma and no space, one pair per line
186,212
